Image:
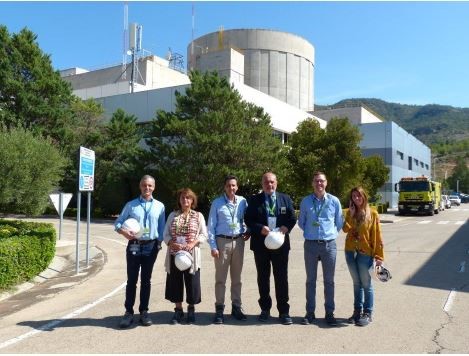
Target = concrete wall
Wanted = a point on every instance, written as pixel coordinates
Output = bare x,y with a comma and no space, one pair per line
144,105
153,73
227,62
277,63
356,115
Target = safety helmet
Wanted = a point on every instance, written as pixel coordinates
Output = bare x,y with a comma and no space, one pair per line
380,273
274,240
133,225
183,260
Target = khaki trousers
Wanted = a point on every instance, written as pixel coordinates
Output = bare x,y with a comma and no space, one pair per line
231,256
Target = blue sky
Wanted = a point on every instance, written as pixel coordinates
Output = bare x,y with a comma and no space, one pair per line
404,52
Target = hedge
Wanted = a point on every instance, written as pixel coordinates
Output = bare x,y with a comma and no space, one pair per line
26,249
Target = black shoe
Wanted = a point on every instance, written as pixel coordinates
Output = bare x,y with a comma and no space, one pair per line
264,316
308,319
126,320
365,319
355,316
285,319
330,319
237,312
177,317
190,315
219,318
145,319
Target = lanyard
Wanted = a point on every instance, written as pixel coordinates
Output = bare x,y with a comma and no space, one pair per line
231,209
146,211
271,209
316,210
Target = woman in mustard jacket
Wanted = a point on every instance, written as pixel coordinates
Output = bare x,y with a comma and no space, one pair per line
363,246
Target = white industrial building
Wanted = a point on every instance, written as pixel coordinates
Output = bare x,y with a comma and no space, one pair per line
271,69
403,154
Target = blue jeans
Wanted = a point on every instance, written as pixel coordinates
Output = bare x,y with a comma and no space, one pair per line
326,252
358,265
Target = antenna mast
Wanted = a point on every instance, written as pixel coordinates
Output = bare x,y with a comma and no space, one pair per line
125,40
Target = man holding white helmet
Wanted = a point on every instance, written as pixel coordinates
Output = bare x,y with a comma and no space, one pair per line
321,220
271,211
142,223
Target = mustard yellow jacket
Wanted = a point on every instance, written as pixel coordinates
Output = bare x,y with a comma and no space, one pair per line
368,240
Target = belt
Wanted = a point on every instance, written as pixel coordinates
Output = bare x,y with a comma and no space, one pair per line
229,237
321,241
141,242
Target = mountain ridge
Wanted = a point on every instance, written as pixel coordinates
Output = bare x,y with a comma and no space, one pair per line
431,123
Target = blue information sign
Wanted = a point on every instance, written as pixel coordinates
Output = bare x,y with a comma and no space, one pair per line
86,170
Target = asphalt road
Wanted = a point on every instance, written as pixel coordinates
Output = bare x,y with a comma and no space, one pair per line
423,309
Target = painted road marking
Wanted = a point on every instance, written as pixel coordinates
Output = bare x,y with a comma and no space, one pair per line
449,300
54,323
424,222
444,222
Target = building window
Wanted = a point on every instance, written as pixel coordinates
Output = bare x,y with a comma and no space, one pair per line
416,162
421,164
400,154
426,166
409,163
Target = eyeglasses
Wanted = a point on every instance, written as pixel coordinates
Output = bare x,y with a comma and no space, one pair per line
319,180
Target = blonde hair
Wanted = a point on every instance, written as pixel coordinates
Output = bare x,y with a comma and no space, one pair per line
362,213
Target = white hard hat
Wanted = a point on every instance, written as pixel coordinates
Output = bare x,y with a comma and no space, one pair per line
380,273
274,240
183,260
133,225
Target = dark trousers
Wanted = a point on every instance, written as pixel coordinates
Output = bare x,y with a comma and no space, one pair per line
175,282
143,260
279,261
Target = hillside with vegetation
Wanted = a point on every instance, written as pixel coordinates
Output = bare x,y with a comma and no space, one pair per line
445,129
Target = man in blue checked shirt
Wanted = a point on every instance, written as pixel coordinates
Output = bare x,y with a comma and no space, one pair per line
226,236
141,253
321,220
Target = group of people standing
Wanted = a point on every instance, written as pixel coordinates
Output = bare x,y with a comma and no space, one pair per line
231,222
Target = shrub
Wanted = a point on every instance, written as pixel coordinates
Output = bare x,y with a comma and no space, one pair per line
26,249
30,169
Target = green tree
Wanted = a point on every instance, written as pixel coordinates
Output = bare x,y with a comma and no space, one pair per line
30,170
461,174
375,174
212,133
32,94
334,150
119,166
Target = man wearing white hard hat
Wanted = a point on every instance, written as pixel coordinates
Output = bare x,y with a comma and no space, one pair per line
321,220
142,223
267,212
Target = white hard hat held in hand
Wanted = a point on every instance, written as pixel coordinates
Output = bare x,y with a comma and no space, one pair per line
274,240
183,260
133,225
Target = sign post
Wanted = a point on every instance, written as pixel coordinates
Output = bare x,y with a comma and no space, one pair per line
85,184
60,202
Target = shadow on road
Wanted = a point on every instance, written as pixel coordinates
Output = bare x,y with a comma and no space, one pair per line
444,269
161,318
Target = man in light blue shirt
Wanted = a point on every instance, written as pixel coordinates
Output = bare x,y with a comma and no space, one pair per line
321,220
141,252
226,236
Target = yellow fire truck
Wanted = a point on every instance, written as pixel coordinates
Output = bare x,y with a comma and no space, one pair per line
418,195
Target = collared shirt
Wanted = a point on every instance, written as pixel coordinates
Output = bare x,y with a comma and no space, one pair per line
150,214
320,219
226,218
